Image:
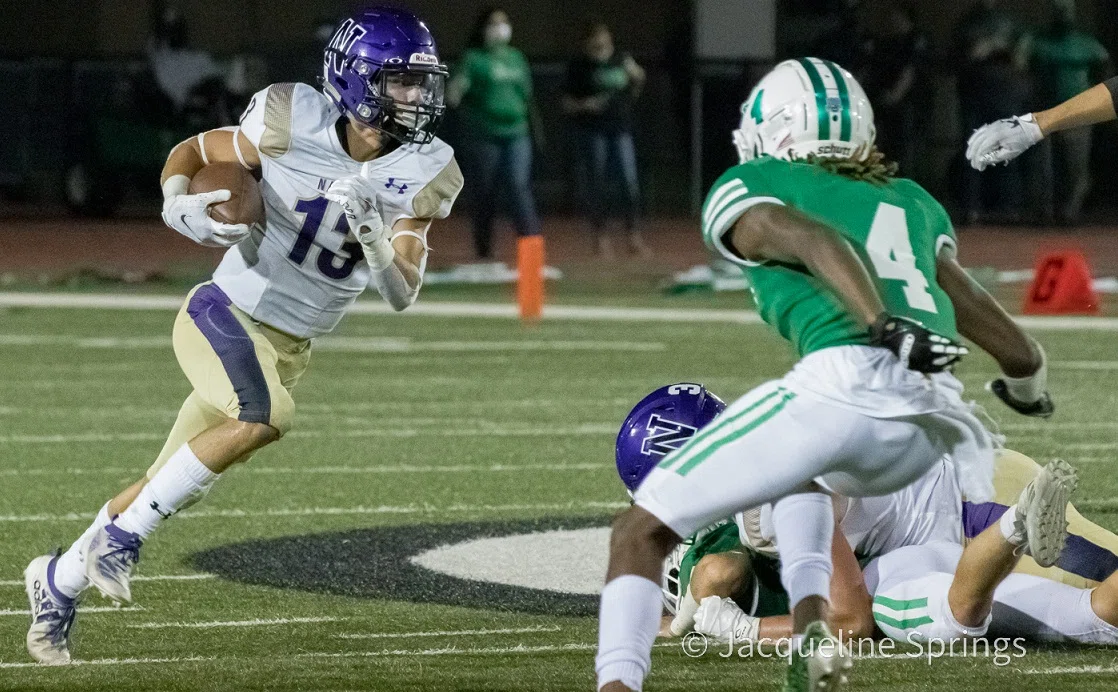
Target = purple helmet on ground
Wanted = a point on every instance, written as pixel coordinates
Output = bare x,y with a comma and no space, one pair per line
660,424
381,69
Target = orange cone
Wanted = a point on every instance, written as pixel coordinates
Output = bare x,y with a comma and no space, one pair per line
1062,286
529,285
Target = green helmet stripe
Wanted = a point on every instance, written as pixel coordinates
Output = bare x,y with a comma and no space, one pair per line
820,97
755,112
844,99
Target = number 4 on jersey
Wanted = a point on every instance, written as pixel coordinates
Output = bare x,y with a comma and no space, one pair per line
890,250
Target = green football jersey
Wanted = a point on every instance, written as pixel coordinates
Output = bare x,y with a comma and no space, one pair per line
897,229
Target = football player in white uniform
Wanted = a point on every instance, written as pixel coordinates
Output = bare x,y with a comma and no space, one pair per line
352,177
943,568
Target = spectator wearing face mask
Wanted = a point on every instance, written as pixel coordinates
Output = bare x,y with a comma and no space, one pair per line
493,84
601,86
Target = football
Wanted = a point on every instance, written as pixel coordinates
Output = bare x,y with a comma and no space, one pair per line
245,205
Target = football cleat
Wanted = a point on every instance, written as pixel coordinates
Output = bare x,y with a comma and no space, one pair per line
820,664
1040,523
52,614
109,558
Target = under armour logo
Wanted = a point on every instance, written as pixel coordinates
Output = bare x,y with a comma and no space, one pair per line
165,515
392,184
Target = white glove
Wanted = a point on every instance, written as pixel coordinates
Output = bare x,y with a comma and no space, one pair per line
188,215
1002,141
358,198
1026,395
722,619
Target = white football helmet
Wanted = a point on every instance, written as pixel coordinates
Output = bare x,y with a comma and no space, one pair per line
805,106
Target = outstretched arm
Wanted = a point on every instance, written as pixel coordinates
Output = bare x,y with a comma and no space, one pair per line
984,321
1004,140
1096,105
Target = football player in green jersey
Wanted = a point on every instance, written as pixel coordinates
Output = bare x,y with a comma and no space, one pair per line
857,269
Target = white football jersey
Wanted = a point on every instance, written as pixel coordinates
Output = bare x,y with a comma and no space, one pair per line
930,509
306,268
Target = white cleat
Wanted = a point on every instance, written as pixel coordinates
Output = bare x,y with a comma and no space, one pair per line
1041,521
109,558
52,614
822,664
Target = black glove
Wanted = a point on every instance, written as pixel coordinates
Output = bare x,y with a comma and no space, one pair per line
917,347
1041,408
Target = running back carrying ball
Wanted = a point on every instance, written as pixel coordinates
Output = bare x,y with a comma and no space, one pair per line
245,204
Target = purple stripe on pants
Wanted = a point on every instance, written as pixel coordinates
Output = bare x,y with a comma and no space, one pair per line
209,308
1080,556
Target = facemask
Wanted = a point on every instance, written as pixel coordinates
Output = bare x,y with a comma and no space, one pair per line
498,34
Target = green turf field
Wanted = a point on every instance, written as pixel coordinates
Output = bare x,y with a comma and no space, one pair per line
422,422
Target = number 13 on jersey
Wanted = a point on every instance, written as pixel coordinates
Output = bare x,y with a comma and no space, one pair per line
890,250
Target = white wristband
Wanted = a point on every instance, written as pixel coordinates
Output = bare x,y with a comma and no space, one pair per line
1031,388
176,185
379,254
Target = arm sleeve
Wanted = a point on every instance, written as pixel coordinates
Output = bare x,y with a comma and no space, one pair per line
267,120
738,190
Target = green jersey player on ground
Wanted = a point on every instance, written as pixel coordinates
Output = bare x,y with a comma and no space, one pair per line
857,269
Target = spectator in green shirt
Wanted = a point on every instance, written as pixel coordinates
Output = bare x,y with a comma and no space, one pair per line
493,84
601,85
1066,61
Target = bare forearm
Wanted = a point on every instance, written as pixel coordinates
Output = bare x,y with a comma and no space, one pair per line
783,234
184,159
984,321
1096,105
834,261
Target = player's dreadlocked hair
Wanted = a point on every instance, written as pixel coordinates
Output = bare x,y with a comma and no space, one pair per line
869,166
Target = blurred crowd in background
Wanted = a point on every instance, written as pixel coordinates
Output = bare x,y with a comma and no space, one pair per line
603,131
1002,66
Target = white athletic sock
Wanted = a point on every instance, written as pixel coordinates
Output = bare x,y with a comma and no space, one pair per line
182,479
804,524
69,571
1009,532
628,621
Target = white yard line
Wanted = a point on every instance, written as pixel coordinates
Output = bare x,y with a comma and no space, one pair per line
138,577
1085,364
82,611
1045,427
1089,446
450,633
115,662
342,511
454,651
584,430
346,344
108,301
1070,670
371,468
232,623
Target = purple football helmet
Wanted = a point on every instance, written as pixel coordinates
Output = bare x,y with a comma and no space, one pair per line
381,69
660,424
